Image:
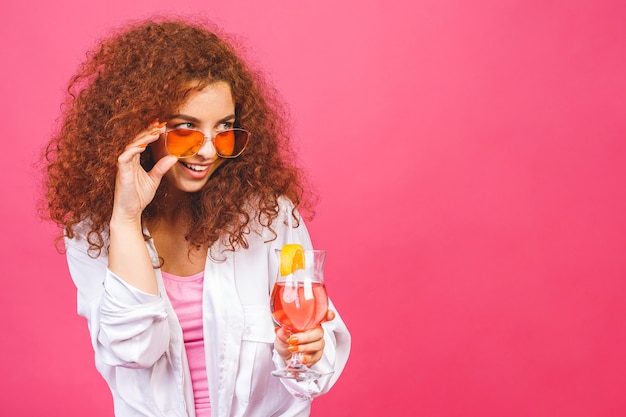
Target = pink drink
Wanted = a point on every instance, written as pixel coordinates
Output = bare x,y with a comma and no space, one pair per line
299,309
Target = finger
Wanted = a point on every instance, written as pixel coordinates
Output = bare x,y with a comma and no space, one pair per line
312,359
308,342
282,334
312,335
148,136
162,166
308,348
330,316
311,352
141,142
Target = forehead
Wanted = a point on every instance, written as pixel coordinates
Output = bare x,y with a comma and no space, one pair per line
214,98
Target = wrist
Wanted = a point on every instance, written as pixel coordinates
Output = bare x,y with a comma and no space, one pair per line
122,221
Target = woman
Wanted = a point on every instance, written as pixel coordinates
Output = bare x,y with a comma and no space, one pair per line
172,249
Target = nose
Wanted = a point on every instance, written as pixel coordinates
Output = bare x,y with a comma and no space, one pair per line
207,151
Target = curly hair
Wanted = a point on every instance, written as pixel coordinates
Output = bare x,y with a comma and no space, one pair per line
145,72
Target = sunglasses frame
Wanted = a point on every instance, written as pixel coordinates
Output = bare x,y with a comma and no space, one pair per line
212,138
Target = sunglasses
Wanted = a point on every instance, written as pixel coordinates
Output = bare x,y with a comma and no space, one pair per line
185,143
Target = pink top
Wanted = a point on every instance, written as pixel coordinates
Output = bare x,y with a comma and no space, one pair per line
185,294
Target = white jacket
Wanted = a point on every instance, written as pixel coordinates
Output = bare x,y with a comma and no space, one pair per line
138,341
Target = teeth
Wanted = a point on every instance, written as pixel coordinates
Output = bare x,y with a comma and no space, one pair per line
198,168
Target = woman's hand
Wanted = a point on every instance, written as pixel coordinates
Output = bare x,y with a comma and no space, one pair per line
134,187
310,343
134,190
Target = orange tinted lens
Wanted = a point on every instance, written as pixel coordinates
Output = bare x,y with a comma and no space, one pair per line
225,143
184,142
231,142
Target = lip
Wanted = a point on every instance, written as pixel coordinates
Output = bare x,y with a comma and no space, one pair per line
196,174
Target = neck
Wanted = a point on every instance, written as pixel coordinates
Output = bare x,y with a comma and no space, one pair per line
173,209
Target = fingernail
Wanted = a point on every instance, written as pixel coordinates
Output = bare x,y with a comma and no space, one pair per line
155,122
162,124
143,145
331,315
292,340
276,329
292,348
304,359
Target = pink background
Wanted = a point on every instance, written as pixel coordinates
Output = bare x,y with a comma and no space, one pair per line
471,160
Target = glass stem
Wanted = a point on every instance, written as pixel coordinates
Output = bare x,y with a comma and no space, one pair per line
296,359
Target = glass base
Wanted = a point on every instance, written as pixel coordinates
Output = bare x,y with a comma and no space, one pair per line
297,371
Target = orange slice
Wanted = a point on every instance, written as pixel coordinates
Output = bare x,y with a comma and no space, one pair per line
291,258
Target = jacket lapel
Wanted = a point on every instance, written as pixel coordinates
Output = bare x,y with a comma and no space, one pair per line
223,319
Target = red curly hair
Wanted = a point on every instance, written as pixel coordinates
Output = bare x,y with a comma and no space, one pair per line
143,73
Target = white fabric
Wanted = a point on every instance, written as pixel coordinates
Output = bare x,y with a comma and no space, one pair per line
139,346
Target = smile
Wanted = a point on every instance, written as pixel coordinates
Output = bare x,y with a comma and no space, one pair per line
197,168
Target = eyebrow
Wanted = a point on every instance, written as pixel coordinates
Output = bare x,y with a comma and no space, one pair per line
196,120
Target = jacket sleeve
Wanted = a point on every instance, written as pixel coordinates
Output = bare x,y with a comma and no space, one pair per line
336,335
128,327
